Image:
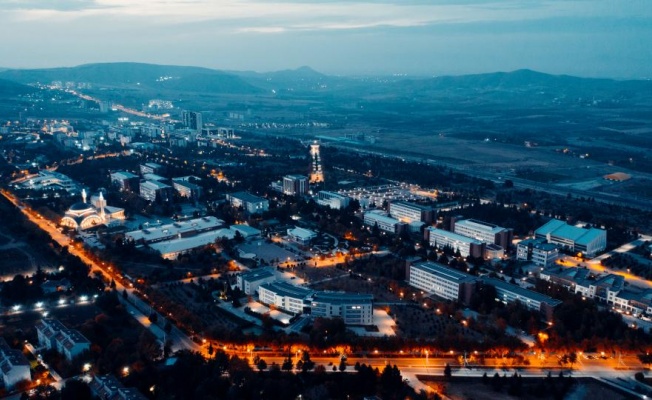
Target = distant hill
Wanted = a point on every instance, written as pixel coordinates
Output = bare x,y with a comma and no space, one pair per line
194,79
12,89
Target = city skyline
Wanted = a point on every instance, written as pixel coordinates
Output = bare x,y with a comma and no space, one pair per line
593,39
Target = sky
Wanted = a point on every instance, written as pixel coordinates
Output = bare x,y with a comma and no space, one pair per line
592,38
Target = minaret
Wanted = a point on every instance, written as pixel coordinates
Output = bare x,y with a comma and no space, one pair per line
83,195
102,207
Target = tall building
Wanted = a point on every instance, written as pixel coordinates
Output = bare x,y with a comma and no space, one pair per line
483,231
411,212
440,238
192,120
316,173
295,185
442,281
333,200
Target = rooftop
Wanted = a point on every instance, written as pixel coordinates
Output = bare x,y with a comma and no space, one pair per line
287,290
454,236
530,294
246,197
444,271
254,275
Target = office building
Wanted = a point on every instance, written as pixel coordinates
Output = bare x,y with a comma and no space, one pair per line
284,296
538,251
188,187
54,335
384,222
411,212
14,366
295,185
156,191
108,387
439,239
509,293
333,200
151,168
192,120
442,281
249,281
589,241
176,230
483,231
250,203
353,308
126,181
301,235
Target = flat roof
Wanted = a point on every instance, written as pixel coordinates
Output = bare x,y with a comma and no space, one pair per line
287,290
246,197
342,297
411,205
455,236
444,271
480,224
379,215
123,175
183,244
257,274
549,226
154,184
167,230
530,294
301,233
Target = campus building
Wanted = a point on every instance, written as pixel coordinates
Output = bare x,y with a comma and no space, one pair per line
439,239
83,215
108,387
126,181
151,168
411,212
152,190
175,230
249,281
284,296
301,235
483,231
14,366
187,187
353,308
510,293
333,200
384,222
440,280
582,240
54,335
538,251
250,203
295,185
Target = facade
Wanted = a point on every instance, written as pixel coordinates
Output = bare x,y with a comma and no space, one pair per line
483,231
295,185
108,387
439,238
126,181
301,235
384,222
354,309
411,212
151,168
54,335
284,296
187,187
176,230
587,241
249,281
333,200
14,366
538,251
509,293
192,120
442,281
155,191
250,203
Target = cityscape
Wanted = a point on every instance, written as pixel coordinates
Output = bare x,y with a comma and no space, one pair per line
205,232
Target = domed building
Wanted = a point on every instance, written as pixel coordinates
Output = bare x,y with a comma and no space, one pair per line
83,215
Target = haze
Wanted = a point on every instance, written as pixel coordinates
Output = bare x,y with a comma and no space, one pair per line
595,38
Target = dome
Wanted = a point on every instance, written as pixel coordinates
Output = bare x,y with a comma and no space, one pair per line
81,207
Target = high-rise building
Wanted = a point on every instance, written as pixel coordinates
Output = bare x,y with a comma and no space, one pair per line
316,173
192,120
294,185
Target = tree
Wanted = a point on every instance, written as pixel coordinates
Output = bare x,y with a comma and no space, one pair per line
342,365
76,390
262,365
448,372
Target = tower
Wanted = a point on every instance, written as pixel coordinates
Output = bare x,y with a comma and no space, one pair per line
316,173
83,195
102,201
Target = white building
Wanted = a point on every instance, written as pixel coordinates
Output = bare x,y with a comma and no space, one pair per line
383,221
84,215
333,200
249,281
411,212
354,309
188,187
14,366
587,241
125,180
150,168
442,281
510,293
176,230
483,231
538,251
150,190
50,180
301,235
295,185
284,296
250,203
54,335
439,238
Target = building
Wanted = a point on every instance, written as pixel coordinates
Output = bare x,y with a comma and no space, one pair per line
108,387
301,235
411,212
353,308
440,280
333,200
188,187
295,185
249,281
493,251
192,120
126,181
384,222
589,241
50,180
155,191
172,249
538,251
483,231
83,215
247,232
151,168
14,366
53,286
509,293
284,296
439,239
250,203
54,335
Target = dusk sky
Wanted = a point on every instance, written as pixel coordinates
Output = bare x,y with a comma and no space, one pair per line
605,38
